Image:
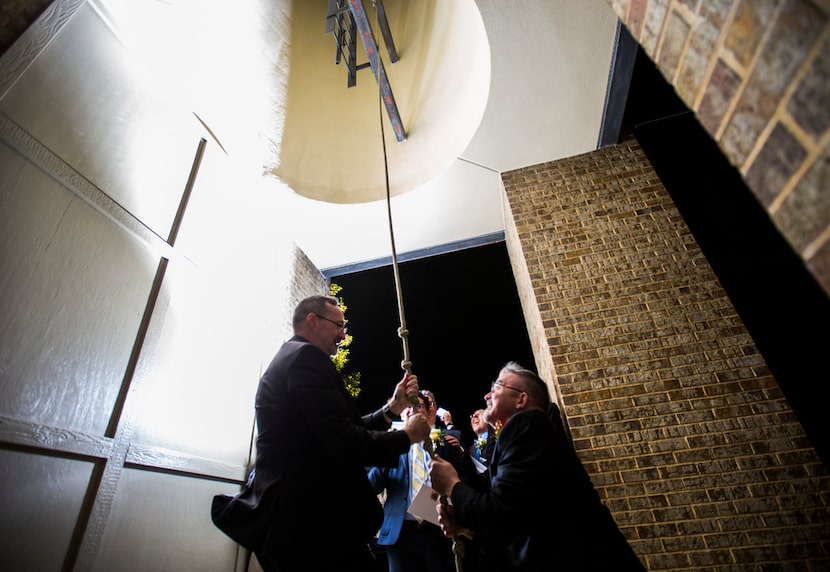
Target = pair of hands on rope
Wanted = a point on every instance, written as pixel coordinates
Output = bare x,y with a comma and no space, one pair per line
442,473
444,477
416,427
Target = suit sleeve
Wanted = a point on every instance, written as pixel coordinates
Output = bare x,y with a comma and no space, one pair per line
375,420
378,478
514,488
331,416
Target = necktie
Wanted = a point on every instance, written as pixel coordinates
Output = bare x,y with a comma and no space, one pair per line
419,470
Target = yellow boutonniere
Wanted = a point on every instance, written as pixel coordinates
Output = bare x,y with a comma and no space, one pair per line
436,435
497,428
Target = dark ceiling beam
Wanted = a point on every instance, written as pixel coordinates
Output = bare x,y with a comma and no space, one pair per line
362,22
383,24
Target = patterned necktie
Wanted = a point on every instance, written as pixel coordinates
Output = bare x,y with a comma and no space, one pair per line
419,471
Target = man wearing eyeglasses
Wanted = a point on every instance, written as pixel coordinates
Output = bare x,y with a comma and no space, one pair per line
308,504
535,509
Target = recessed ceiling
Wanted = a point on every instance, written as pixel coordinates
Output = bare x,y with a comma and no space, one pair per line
332,148
534,92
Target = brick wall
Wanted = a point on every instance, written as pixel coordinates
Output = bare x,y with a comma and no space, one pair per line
757,75
672,409
306,281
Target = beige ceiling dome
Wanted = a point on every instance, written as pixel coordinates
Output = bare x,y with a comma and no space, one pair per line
331,148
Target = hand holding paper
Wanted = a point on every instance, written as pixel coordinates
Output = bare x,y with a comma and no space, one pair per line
423,506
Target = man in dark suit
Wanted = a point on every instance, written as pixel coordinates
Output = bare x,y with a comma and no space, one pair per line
535,508
308,505
485,437
446,442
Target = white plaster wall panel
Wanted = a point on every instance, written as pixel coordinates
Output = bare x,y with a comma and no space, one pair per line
73,287
550,65
143,533
41,497
214,326
236,231
84,98
199,381
460,203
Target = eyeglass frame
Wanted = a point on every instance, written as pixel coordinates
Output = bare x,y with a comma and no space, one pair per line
498,382
344,325
428,401
422,406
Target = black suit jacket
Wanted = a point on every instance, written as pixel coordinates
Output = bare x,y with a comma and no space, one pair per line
309,480
536,508
489,446
444,449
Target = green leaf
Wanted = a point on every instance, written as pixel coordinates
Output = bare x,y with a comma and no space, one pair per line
341,358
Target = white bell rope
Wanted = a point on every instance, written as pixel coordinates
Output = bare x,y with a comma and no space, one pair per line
403,333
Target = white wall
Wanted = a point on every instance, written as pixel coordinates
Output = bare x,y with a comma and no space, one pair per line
145,282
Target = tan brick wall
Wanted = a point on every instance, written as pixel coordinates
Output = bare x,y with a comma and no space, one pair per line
672,408
306,280
757,75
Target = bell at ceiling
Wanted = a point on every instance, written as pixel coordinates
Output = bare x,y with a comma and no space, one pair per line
332,146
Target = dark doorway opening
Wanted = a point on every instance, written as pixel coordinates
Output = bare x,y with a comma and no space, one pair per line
464,319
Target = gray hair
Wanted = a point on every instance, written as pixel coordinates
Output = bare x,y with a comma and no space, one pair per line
534,386
427,394
312,305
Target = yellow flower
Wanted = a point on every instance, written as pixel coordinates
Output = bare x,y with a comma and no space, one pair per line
436,436
497,429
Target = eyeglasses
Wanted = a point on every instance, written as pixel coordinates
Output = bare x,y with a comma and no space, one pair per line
340,325
502,384
421,406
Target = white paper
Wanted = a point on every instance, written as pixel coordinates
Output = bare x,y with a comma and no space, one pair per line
423,506
480,467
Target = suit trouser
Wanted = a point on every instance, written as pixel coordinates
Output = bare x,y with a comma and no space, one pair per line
314,553
421,548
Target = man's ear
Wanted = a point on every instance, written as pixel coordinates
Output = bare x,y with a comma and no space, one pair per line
524,401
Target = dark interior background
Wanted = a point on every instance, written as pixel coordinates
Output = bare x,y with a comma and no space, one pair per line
464,321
